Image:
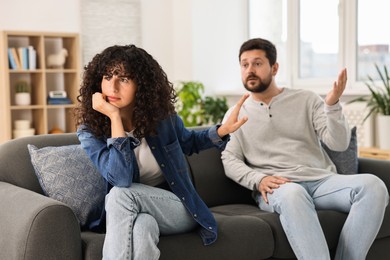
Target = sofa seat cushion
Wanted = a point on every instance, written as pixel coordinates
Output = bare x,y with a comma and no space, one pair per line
331,222
384,232
237,239
92,244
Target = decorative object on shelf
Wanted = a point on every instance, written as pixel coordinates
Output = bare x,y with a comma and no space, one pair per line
58,97
58,94
22,93
196,109
379,103
22,128
56,130
57,60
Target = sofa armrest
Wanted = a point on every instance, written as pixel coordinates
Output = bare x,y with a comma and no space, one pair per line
380,168
33,226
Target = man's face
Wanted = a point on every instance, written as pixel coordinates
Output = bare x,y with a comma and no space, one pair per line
256,72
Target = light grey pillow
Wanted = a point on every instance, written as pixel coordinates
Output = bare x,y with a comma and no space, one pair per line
66,174
347,161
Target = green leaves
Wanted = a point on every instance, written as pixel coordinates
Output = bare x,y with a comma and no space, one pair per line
196,110
379,101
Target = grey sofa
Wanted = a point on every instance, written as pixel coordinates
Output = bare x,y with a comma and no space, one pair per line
33,226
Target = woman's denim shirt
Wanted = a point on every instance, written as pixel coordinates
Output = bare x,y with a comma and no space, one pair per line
115,160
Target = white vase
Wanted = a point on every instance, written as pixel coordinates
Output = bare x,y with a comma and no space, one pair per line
383,129
22,99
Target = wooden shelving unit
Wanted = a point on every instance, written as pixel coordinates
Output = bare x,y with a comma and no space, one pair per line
43,79
375,153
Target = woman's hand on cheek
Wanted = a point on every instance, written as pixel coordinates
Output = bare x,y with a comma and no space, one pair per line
233,123
100,104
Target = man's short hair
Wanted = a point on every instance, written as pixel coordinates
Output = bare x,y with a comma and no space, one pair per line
260,44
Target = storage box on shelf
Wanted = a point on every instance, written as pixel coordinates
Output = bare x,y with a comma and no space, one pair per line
33,50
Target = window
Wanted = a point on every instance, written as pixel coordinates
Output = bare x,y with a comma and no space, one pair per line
373,38
316,38
268,20
319,41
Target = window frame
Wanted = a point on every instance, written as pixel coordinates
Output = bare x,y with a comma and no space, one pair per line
347,56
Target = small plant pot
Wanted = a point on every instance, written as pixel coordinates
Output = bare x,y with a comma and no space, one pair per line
22,99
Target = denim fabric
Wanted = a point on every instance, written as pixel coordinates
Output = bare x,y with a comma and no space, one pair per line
115,160
363,196
139,214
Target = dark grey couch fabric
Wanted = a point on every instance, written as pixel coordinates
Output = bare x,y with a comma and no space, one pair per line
38,227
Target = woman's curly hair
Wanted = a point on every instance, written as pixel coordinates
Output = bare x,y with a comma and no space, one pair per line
155,96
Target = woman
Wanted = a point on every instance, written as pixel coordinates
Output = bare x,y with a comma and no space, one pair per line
129,128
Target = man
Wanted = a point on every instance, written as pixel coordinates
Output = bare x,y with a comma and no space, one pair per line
278,155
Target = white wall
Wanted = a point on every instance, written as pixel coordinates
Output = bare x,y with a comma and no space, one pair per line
191,39
40,15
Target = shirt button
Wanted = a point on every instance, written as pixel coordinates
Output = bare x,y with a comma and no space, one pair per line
195,216
210,228
153,147
162,165
183,198
173,183
270,115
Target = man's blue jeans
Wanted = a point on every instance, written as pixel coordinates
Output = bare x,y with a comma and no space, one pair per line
135,218
363,196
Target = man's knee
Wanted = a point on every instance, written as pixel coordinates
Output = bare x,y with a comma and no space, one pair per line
291,194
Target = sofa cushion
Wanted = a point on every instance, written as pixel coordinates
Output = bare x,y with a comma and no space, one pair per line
331,223
66,174
239,237
347,161
212,174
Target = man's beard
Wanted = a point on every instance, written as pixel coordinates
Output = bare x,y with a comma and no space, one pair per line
260,87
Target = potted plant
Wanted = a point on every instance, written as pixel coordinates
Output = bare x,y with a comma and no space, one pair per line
22,93
196,109
378,103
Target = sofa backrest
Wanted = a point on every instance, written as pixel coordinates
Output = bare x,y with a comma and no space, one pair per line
206,169
211,182
15,161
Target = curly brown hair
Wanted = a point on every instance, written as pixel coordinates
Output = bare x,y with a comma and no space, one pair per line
155,95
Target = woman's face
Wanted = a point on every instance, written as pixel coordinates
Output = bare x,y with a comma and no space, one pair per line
119,89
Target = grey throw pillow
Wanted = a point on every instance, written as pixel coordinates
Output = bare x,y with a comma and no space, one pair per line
66,174
347,161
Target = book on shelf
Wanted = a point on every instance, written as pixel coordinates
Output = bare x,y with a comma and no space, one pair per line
22,58
58,101
32,58
14,58
23,55
11,58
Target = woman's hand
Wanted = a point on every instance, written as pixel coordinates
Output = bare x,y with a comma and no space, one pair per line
100,104
232,123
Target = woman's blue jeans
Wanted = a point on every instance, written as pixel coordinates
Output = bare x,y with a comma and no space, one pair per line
135,218
363,196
